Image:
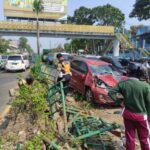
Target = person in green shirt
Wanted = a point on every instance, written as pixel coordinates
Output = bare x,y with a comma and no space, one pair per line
135,95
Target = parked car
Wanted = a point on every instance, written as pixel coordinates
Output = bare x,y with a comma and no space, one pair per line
115,64
93,79
50,59
93,57
17,62
135,69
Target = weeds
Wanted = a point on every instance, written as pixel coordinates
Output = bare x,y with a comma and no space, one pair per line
31,100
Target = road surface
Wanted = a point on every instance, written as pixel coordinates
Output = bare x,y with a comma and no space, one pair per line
8,81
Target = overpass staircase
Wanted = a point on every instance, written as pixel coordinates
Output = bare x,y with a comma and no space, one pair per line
124,40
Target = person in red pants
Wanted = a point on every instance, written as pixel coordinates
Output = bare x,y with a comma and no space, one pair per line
135,95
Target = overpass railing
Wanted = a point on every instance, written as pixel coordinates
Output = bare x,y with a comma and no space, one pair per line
10,25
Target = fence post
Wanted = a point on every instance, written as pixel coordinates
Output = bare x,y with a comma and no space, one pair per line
64,106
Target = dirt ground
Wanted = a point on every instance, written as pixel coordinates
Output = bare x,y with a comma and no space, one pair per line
109,114
20,129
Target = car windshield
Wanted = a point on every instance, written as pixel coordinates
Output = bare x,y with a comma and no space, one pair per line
14,58
117,63
101,69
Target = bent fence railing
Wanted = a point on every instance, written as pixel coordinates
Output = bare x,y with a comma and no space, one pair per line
91,130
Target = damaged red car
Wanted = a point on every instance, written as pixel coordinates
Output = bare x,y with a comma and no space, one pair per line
93,79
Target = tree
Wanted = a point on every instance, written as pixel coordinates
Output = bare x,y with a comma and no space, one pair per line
4,45
23,44
68,47
108,15
82,15
101,15
141,10
28,48
38,8
133,29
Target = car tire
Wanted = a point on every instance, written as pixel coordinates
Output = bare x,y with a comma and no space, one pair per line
89,95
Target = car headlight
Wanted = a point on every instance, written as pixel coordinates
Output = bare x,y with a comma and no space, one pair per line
101,84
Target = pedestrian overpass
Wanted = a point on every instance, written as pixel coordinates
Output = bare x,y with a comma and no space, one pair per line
28,29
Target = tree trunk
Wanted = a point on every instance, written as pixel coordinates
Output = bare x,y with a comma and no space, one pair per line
38,36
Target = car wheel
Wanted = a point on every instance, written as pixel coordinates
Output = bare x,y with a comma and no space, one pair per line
89,95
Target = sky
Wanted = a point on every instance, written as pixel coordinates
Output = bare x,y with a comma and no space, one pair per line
125,6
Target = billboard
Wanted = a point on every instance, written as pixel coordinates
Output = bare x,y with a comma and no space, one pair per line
53,9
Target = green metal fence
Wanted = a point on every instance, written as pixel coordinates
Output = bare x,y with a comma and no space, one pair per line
90,130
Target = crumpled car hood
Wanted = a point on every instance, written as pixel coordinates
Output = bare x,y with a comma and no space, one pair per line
110,80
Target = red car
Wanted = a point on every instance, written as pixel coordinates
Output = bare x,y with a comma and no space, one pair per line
93,79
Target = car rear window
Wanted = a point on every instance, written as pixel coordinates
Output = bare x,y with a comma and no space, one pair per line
14,58
66,56
117,63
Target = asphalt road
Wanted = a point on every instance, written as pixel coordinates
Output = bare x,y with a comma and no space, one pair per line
8,81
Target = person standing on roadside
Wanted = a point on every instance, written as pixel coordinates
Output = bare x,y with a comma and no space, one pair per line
63,72
135,95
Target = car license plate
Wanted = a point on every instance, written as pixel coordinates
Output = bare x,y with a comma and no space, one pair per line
14,63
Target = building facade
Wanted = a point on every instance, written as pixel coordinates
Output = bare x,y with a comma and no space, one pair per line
143,36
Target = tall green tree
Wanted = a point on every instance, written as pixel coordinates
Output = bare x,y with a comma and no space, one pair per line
141,10
4,45
38,8
23,44
108,15
101,15
81,16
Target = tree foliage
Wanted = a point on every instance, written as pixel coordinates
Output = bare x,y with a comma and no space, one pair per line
38,6
4,45
100,15
108,15
23,44
82,15
141,10
133,29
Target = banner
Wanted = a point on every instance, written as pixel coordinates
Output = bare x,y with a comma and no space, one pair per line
17,7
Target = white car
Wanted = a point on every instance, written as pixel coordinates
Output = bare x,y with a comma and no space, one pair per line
17,62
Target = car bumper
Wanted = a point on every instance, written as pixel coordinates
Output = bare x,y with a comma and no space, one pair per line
101,96
14,68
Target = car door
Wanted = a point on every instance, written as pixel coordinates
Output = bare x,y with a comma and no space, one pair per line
74,68
79,72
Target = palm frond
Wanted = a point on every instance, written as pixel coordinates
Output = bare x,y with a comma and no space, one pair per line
38,6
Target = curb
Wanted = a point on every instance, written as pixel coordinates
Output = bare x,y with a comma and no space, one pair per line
4,113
